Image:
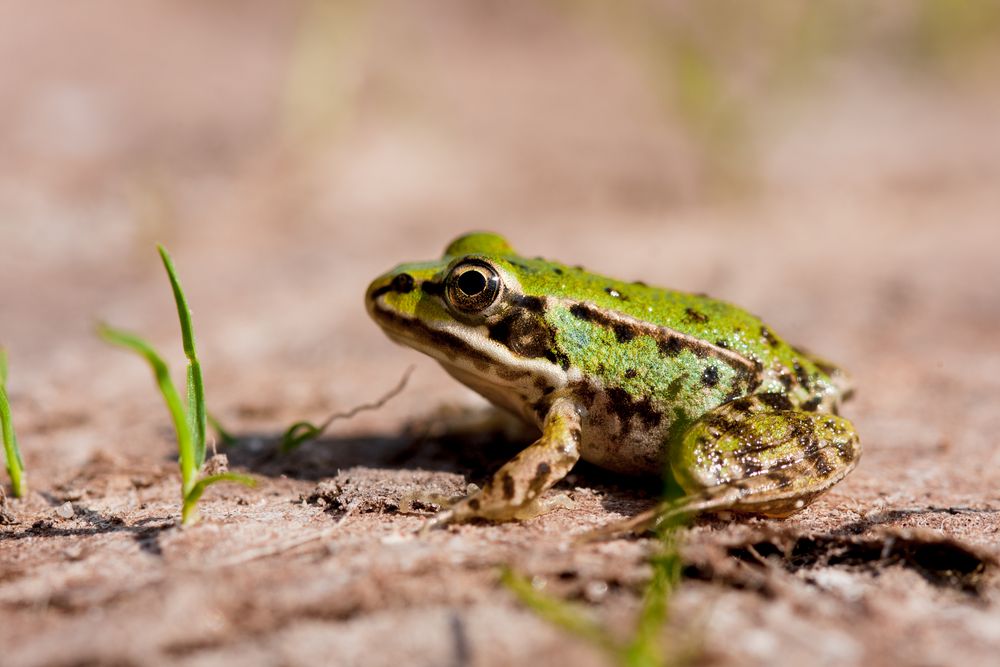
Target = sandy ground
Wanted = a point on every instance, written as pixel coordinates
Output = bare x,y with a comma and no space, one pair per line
868,233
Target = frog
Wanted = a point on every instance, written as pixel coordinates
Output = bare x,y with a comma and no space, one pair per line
636,379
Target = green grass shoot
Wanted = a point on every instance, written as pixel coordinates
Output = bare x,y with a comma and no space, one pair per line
189,416
15,466
304,431
644,648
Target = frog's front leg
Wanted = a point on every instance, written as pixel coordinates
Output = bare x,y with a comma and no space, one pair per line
515,491
758,455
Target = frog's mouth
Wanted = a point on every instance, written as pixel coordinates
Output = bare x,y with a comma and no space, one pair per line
466,351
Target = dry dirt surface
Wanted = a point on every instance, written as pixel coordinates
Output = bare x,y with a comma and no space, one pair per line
287,153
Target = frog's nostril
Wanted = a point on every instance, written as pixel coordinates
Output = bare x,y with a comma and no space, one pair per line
403,283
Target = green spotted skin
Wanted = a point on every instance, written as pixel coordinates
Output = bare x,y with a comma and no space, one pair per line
633,378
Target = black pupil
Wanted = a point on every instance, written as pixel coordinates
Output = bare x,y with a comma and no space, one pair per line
472,282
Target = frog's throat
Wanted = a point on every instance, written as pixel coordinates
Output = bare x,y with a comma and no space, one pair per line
471,353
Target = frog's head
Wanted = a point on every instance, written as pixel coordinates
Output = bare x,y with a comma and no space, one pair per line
469,311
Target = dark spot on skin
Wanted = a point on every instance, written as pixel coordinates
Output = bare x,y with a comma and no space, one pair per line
544,387
625,408
775,401
501,331
631,373
542,406
432,288
649,415
723,344
581,312
734,393
675,386
639,283
557,271
710,377
532,303
585,392
812,404
801,375
779,478
474,504
538,482
508,486
820,464
525,334
557,357
845,451
696,316
615,293
620,403
623,332
768,336
579,267
785,378
670,347
751,466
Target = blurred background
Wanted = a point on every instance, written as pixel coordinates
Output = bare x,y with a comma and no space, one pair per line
832,166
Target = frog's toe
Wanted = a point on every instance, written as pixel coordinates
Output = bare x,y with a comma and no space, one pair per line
439,520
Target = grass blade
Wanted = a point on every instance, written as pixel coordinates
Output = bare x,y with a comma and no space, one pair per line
189,512
558,612
196,414
225,437
15,466
185,444
303,431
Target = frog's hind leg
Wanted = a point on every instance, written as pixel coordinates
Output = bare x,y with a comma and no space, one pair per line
515,491
757,455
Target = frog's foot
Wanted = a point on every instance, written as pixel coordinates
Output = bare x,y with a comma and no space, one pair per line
515,491
407,503
748,456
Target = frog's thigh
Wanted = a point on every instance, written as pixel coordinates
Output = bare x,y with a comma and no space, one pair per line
514,490
772,462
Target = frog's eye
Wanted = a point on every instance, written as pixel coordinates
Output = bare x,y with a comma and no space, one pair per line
472,286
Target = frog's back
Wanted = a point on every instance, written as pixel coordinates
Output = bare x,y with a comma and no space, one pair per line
709,327
651,361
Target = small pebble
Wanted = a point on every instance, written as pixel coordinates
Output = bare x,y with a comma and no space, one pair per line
595,591
65,511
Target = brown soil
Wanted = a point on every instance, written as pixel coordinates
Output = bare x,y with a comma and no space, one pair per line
865,228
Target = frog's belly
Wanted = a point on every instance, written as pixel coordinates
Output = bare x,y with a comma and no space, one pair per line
633,446
634,454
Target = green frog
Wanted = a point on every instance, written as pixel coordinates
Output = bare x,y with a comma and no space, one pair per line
633,378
